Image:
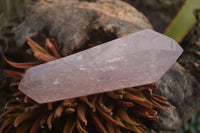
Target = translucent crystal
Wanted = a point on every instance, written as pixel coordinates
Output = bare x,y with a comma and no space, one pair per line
136,59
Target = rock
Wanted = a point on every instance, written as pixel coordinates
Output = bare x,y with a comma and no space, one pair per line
134,60
72,22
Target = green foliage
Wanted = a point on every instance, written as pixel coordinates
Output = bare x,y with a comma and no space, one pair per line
183,21
192,126
11,12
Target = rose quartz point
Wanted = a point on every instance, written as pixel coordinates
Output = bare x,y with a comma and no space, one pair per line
136,59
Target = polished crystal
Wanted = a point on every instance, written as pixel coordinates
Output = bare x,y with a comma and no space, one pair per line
136,59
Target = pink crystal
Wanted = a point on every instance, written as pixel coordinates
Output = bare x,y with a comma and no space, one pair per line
136,59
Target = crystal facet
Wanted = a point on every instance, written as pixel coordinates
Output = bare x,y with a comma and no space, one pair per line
136,59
